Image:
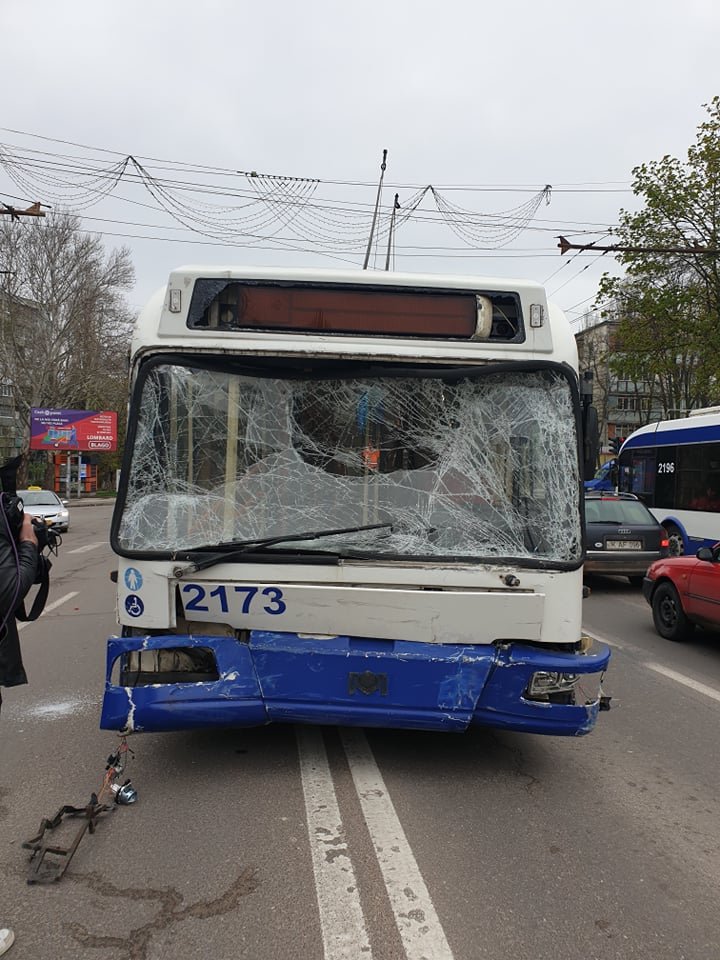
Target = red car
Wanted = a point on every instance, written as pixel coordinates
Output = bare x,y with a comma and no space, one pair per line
684,592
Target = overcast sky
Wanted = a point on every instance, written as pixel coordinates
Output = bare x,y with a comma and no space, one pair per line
507,97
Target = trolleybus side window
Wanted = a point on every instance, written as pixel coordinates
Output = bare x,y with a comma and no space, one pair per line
699,477
682,477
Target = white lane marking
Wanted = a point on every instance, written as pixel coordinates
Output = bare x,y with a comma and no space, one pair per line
664,671
88,546
686,681
422,934
49,607
341,917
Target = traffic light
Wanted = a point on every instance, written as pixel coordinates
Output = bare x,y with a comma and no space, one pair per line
616,443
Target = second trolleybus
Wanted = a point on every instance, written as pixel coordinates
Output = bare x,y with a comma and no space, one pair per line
674,467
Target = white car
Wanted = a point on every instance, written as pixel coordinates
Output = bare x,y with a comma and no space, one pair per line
48,506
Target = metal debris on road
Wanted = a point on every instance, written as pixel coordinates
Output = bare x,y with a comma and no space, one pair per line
42,868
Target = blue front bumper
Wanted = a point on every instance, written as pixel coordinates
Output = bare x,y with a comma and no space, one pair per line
280,677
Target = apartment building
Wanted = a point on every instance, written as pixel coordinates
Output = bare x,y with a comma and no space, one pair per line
622,405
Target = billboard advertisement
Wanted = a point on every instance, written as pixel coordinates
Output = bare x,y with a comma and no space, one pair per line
75,430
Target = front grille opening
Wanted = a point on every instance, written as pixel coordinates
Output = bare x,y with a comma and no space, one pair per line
167,665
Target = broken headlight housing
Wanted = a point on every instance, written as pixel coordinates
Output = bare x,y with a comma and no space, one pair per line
550,687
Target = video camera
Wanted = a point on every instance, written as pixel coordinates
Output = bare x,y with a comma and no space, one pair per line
12,508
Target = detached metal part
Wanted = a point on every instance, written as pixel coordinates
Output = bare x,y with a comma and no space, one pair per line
44,870
41,871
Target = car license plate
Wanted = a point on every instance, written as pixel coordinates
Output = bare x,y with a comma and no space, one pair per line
623,545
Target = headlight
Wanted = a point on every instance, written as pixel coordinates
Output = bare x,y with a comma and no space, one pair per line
544,682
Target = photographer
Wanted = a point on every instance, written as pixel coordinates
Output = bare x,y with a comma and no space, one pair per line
18,567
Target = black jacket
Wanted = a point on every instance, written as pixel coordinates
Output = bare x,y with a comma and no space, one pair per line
17,573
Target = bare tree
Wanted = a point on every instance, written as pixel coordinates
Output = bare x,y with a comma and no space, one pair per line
64,321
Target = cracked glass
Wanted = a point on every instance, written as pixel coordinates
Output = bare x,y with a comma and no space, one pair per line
474,467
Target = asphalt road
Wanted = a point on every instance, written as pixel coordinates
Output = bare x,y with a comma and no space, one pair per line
335,845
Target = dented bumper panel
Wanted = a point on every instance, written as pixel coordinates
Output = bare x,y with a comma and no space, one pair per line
503,702
282,677
232,699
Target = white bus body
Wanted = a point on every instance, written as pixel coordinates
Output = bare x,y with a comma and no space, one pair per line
674,466
351,497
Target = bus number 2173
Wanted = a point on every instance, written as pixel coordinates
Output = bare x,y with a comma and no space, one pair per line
268,599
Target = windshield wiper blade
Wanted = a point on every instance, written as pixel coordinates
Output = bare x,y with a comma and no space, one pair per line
241,547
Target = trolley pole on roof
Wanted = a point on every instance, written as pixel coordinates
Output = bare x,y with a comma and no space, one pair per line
396,207
377,205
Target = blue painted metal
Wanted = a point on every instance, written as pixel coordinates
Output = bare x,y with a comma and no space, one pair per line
683,433
234,699
350,681
603,479
691,544
426,686
694,544
670,519
503,705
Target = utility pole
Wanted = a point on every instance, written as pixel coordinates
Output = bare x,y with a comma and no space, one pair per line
377,204
15,214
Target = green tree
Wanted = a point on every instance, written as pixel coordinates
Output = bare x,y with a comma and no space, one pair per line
668,303
64,320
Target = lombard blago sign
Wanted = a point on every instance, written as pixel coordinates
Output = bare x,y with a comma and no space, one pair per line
78,430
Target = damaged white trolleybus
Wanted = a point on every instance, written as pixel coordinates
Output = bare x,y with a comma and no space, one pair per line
351,498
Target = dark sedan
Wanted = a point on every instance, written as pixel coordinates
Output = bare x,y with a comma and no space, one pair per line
622,537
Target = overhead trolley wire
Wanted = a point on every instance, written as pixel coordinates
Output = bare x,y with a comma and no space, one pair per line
604,186
452,212
270,206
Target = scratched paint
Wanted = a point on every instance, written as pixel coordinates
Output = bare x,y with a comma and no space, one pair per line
280,677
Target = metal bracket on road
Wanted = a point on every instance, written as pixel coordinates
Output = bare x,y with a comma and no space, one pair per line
41,871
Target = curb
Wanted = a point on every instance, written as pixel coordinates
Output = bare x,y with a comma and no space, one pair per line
92,502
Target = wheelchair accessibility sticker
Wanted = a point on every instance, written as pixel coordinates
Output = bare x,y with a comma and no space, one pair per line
133,579
134,605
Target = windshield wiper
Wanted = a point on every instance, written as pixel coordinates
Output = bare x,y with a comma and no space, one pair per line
240,547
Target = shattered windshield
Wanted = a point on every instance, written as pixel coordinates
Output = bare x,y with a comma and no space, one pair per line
471,466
